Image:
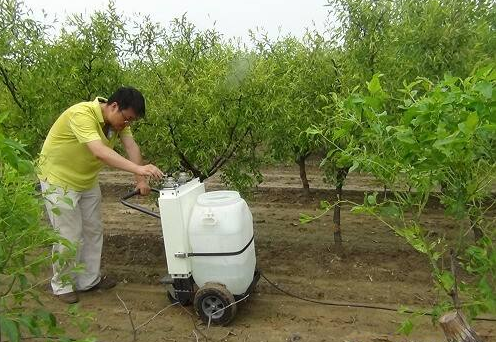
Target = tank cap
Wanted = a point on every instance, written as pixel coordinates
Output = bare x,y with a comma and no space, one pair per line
222,197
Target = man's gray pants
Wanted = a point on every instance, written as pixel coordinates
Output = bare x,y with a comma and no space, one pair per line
80,223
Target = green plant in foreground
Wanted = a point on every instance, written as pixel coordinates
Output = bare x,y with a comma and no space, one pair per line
24,252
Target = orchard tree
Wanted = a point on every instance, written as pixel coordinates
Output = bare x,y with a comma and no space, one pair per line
22,44
400,40
435,37
85,60
363,28
303,74
442,147
204,105
406,39
44,76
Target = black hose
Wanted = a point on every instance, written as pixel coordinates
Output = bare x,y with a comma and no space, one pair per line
138,207
354,305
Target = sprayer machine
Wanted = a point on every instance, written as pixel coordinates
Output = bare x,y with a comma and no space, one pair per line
209,247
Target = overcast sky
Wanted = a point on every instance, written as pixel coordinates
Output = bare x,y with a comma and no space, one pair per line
233,18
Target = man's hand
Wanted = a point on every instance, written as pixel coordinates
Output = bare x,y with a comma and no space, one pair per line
149,170
143,187
134,155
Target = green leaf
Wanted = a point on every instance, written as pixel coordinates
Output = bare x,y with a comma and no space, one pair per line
468,127
25,167
324,205
446,141
30,323
390,210
406,327
447,281
485,88
10,328
313,131
304,218
355,166
3,117
374,86
15,146
371,199
339,133
343,161
47,317
406,136
414,237
360,209
436,256
489,127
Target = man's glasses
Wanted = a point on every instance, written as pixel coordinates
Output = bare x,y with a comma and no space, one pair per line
127,121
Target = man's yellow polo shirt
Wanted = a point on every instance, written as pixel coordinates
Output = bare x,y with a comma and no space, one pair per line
65,160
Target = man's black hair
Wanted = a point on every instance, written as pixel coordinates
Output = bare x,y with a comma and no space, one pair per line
129,97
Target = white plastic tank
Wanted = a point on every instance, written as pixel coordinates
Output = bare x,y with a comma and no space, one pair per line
221,222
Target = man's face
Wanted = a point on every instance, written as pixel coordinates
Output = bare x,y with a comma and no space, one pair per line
120,118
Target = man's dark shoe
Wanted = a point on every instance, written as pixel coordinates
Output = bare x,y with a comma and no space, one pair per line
69,298
105,283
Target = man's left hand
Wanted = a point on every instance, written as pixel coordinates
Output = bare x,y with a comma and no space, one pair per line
143,187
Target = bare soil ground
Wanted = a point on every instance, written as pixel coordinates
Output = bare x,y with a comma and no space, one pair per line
377,268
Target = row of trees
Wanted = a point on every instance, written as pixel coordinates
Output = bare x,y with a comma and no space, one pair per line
436,141
257,98
352,94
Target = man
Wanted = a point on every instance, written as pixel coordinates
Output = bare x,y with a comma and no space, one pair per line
79,144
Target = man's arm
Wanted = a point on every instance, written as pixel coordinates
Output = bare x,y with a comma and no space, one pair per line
134,154
114,159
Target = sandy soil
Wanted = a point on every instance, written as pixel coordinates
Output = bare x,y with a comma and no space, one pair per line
376,268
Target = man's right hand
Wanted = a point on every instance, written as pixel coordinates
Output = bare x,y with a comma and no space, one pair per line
150,170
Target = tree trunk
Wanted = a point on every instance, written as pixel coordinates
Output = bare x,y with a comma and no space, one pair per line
336,219
456,328
303,174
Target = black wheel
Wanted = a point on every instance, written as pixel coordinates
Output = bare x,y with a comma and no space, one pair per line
215,303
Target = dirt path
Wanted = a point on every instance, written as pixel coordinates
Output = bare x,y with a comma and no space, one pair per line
377,268
265,317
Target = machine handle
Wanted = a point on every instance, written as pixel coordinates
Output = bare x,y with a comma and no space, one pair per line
137,207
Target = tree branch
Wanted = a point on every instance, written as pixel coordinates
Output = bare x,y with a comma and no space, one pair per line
11,87
184,161
226,158
135,331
